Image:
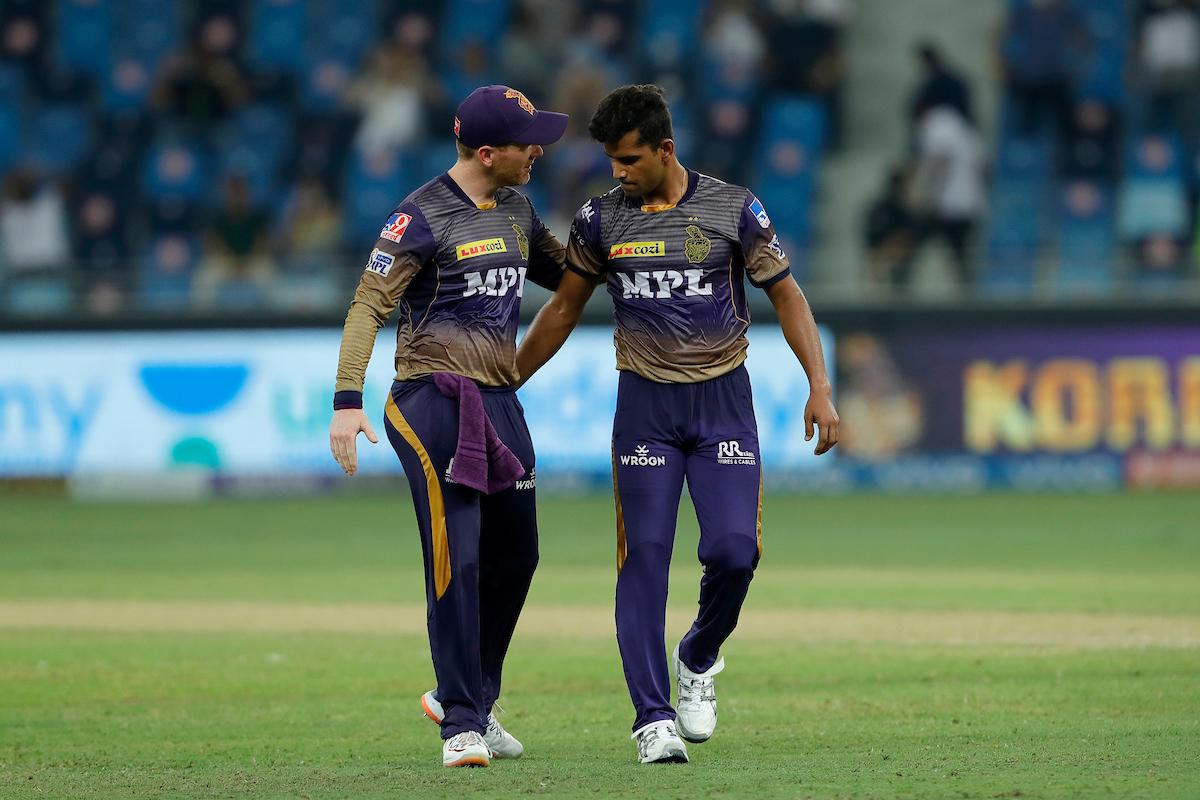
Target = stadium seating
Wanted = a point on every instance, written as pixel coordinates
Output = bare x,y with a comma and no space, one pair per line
1086,243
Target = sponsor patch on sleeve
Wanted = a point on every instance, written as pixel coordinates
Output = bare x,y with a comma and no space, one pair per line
760,213
775,247
395,227
380,262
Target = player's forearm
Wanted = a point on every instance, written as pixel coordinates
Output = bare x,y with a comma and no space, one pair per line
800,331
550,329
368,313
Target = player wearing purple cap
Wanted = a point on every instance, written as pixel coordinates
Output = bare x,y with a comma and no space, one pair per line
454,256
673,246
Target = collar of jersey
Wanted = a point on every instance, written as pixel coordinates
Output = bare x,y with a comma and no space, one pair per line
461,195
693,179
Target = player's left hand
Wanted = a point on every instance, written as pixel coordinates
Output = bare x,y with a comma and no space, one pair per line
819,412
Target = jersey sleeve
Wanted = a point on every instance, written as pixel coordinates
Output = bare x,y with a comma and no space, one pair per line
405,245
546,255
766,263
585,254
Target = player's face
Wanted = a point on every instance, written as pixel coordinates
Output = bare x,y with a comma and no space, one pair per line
512,164
637,166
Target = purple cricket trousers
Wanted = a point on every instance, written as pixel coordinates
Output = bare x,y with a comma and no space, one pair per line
663,433
480,550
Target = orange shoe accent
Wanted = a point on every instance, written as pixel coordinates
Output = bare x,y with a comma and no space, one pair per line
429,711
470,761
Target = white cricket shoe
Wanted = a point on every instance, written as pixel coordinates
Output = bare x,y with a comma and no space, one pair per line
657,743
467,749
697,704
502,743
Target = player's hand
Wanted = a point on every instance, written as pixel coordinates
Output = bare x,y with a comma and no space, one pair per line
343,433
820,412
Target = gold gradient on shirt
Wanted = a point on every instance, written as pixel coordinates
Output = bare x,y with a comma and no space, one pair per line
437,506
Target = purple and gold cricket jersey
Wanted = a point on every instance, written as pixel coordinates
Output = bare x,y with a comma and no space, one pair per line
675,275
457,273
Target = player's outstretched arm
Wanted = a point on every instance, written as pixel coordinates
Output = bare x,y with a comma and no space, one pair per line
800,330
343,436
553,324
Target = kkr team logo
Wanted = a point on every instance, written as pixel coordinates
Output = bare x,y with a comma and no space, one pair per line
522,241
522,101
483,247
641,458
731,452
697,246
637,250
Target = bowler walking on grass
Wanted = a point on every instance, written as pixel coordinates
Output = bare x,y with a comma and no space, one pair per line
673,246
454,256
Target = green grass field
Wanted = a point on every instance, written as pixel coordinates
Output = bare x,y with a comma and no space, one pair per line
892,647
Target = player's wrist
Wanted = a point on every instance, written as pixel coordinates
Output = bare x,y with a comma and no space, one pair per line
347,398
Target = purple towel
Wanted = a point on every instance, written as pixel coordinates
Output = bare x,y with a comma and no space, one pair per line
481,461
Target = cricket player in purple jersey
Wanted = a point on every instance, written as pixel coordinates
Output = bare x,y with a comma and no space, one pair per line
454,256
673,246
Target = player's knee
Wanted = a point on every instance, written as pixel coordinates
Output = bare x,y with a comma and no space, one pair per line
731,554
651,555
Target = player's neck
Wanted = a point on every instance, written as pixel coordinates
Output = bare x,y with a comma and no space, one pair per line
475,183
671,190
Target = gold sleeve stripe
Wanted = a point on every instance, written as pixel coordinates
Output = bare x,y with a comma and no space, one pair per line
437,506
758,522
620,517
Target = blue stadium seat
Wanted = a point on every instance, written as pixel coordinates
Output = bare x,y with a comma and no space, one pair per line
1086,244
326,79
37,295
1153,197
10,135
277,37
265,129
148,30
239,294
345,33
375,184
127,84
59,136
794,118
669,33
166,272
475,20
85,35
175,170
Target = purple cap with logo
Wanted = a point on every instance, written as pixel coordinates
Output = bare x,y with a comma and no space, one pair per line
500,115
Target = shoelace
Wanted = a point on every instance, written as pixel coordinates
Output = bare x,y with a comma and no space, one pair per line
651,736
493,726
461,741
694,691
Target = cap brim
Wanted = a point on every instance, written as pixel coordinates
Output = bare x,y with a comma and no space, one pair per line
547,128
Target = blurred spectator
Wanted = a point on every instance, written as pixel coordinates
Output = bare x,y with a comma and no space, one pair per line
33,226
203,84
1040,50
940,86
237,264
392,97
1092,145
804,40
732,35
532,48
311,230
948,186
889,230
23,26
1168,69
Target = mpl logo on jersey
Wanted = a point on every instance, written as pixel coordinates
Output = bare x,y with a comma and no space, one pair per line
482,247
495,282
394,228
641,458
660,283
638,250
731,452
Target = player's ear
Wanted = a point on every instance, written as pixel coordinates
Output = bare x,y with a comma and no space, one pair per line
485,155
666,149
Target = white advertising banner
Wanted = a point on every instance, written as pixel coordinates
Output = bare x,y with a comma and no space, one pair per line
259,402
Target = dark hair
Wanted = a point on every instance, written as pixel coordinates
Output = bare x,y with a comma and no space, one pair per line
642,108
